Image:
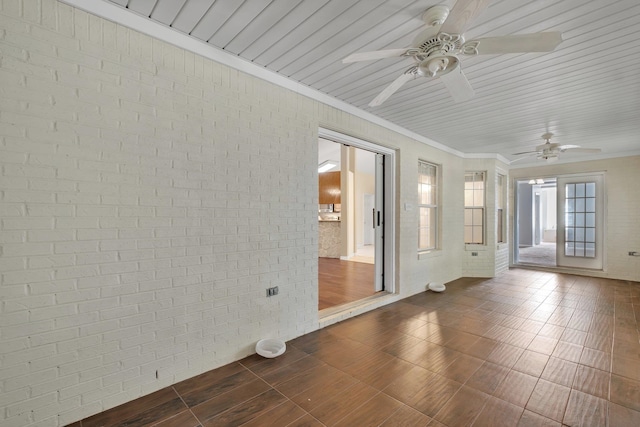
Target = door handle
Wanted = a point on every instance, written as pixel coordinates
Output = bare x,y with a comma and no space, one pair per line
373,222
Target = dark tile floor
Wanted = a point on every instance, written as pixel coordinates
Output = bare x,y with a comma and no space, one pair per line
526,348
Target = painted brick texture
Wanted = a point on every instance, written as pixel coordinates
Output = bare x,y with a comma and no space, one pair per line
148,197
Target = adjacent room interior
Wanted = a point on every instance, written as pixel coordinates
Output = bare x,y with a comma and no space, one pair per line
181,180
346,237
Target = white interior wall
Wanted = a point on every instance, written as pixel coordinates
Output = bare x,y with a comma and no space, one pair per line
149,196
622,210
364,184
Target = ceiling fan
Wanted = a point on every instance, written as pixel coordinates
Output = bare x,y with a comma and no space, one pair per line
437,48
549,151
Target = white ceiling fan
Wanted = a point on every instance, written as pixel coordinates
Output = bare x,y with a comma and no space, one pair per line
550,151
436,49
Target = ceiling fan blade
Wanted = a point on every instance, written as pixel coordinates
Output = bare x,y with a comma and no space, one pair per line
463,13
519,43
391,89
519,159
583,150
376,54
524,152
458,85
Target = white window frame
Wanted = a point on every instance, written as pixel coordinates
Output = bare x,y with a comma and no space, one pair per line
501,208
470,208
434,220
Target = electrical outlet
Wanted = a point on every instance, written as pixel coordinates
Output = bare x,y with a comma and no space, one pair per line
272,291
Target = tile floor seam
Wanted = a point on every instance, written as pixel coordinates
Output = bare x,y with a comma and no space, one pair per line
185,404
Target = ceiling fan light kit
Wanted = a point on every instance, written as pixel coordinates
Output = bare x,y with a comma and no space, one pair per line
437,65
435,49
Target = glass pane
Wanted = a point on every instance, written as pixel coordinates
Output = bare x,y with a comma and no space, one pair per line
590,250
569,249
579,220
569,219
468,234
478,198
422,238
468,216
569,205
468,197
426,195
579,234
579,249
591,189
477,217
591,220
579,205
590,205
569,235
424,217
477,234
590,235
570,189
580,190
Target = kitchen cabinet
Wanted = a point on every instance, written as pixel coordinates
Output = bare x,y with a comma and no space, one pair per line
329,188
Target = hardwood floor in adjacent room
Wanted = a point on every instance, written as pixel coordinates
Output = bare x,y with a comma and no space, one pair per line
527,348
341,282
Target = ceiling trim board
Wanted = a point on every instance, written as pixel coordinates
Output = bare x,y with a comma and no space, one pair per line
117,14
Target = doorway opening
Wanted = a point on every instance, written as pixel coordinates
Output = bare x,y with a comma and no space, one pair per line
536,223
353,221
560,221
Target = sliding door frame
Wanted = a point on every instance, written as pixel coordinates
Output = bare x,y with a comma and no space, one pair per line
388,215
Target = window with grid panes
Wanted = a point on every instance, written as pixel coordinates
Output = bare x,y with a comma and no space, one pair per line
580,220
501,190
474,205
427,206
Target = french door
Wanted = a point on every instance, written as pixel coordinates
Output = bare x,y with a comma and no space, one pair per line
580,221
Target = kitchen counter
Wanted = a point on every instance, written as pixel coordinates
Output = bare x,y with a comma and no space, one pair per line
329,238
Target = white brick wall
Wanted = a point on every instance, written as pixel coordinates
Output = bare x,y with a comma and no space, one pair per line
148,197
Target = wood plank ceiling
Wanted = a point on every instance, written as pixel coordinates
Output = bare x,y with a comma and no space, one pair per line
587,92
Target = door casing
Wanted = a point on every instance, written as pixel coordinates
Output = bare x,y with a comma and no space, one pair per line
385,266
